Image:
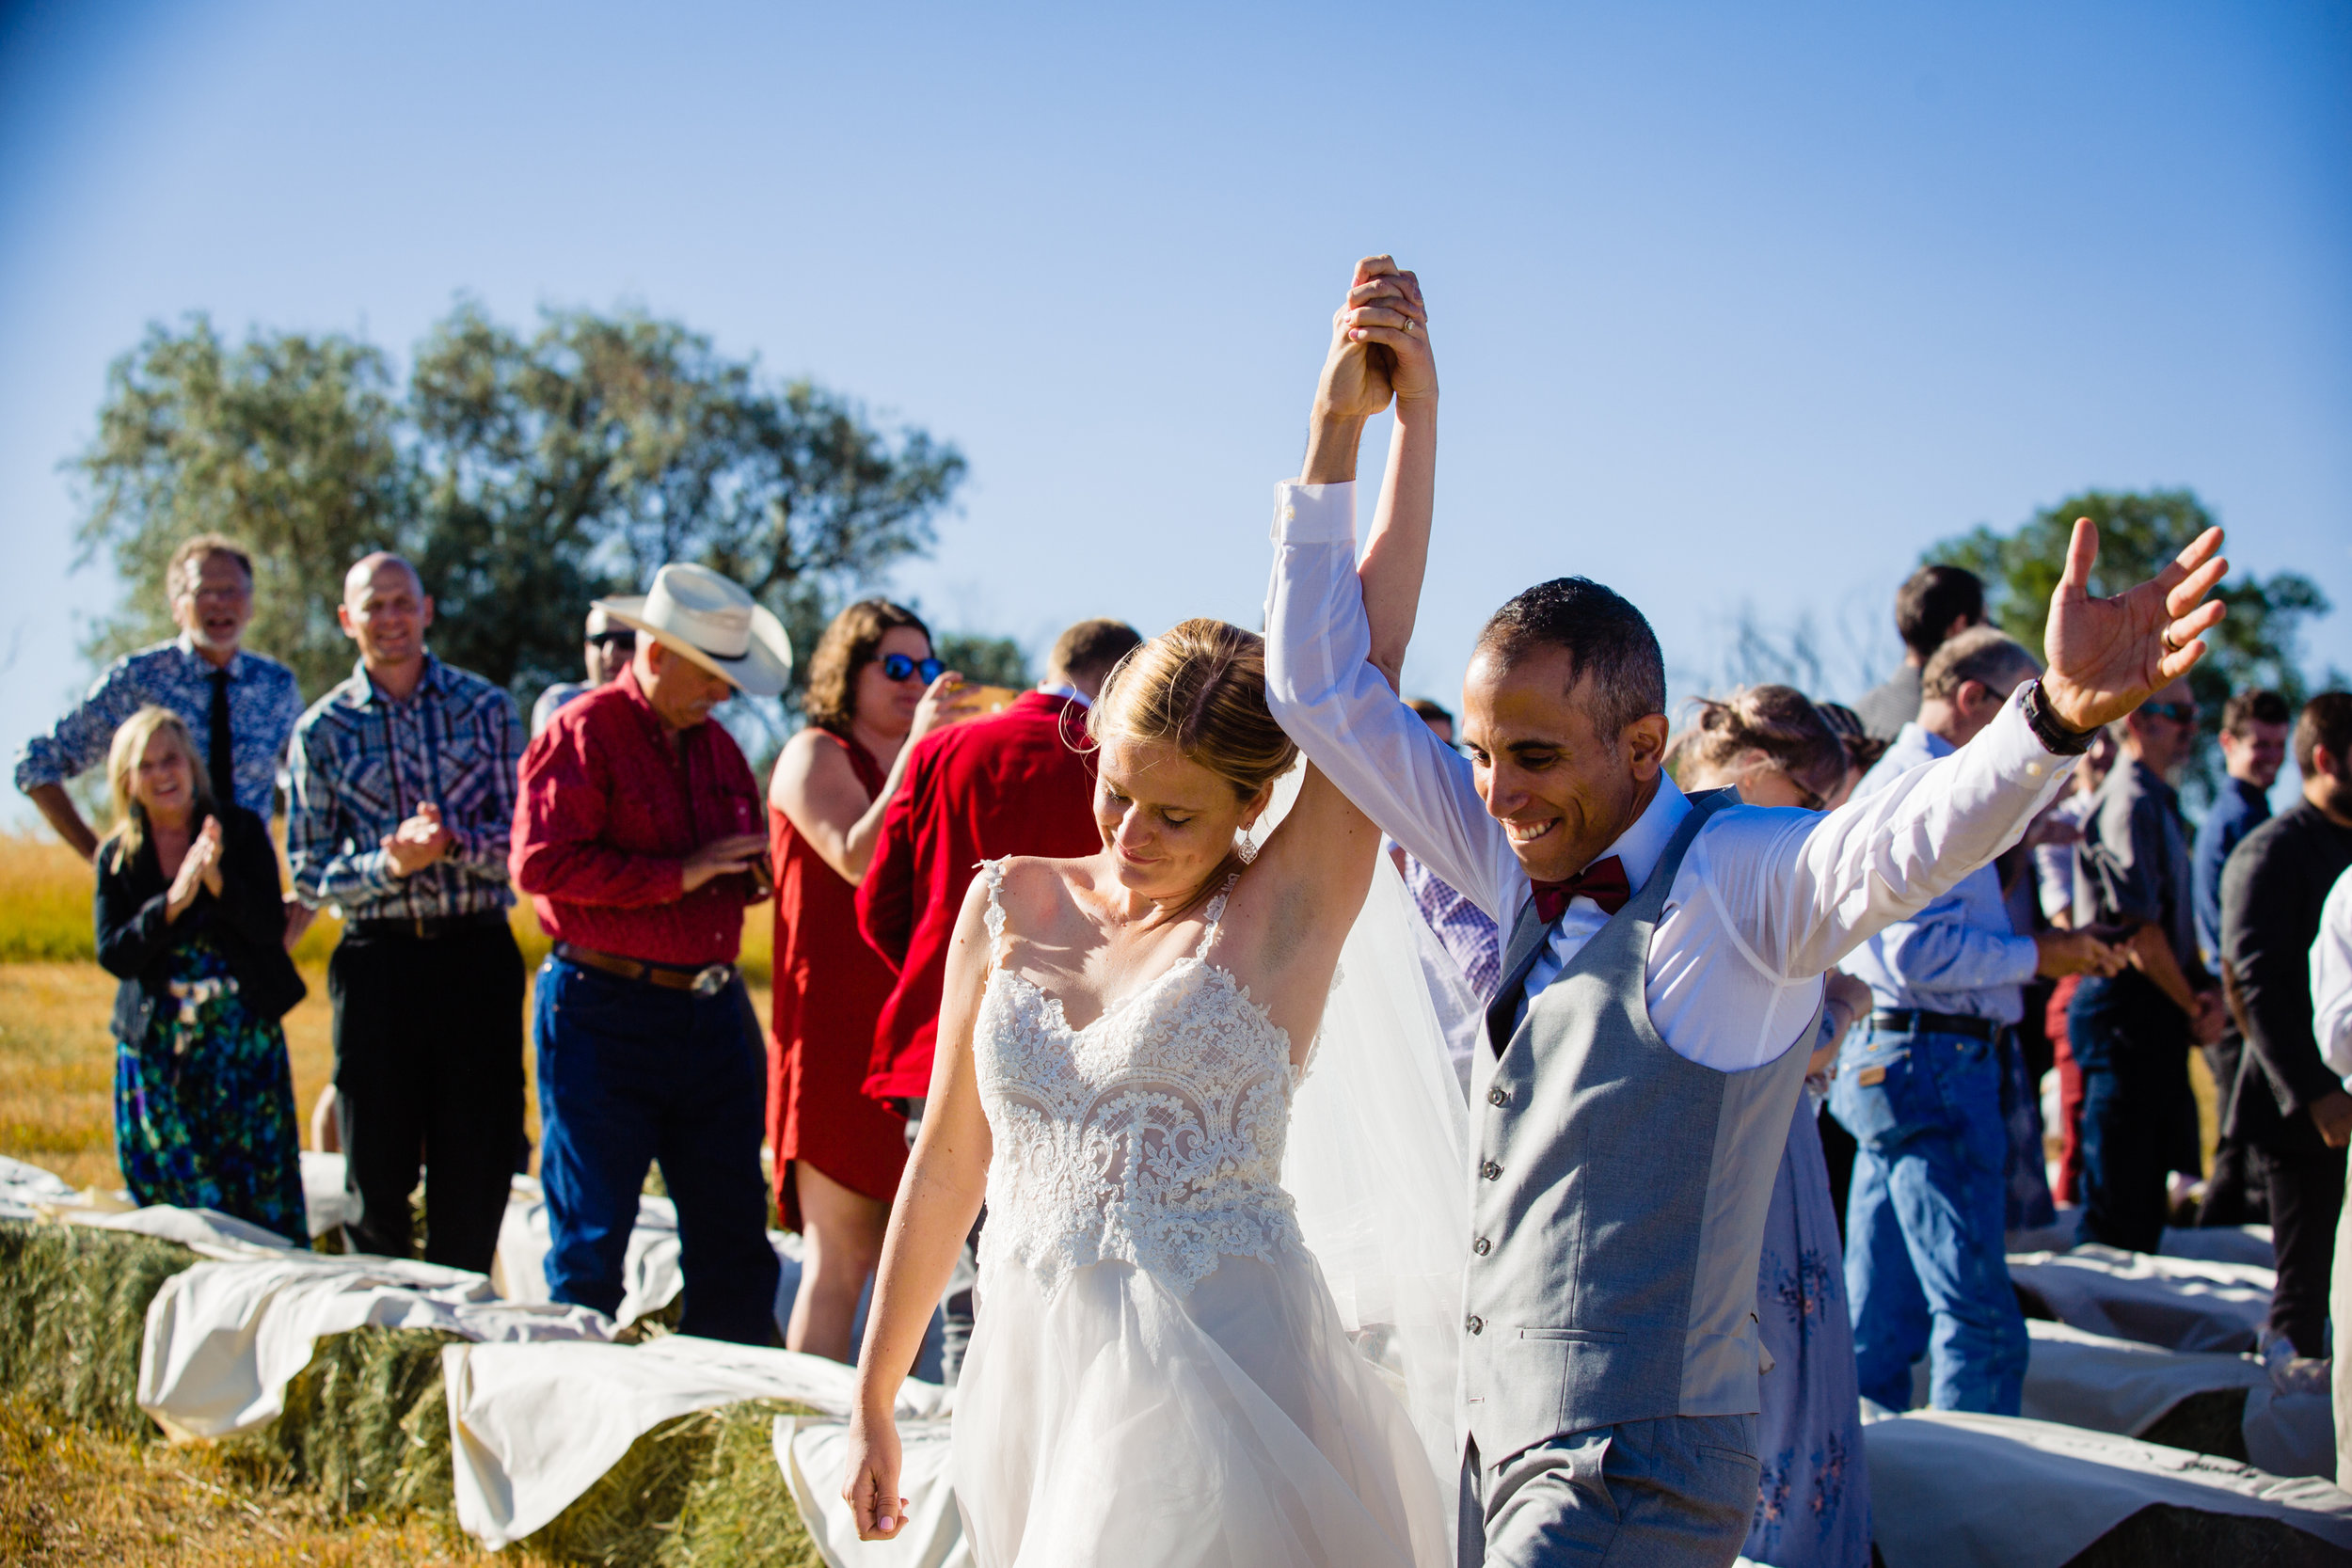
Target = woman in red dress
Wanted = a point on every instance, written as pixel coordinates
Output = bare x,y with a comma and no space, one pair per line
873,689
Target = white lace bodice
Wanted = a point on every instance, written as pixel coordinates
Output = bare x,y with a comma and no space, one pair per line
1153,1136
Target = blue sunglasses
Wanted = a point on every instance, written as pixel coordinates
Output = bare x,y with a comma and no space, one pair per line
898,667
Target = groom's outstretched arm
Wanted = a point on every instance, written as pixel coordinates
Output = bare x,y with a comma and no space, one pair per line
1805,890
1336,633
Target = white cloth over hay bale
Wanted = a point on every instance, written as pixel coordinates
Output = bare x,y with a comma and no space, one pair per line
815,1455
651,1276
2121,1385
224,1338
207,1231
2223,1243
1949,1490
2177,1302
324,1197
28,1192
533,1427
2218,1243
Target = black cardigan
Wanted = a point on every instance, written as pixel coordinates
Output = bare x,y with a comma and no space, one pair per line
2272,888
248,922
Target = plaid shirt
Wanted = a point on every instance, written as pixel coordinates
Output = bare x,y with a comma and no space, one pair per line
362,763
264,704
1462,928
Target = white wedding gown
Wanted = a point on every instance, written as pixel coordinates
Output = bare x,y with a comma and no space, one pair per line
1158,1374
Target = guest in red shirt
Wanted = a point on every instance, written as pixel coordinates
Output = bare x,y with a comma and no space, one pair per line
1016,783
636,834
873,687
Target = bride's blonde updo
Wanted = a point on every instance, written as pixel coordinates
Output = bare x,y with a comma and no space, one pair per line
1200,686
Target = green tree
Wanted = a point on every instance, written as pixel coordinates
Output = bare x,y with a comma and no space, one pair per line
289,443
2138,532
985,660
524,475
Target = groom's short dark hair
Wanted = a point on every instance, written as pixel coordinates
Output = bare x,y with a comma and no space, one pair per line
1606,637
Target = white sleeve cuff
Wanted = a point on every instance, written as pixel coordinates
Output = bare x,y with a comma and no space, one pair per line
1315,513
2019,755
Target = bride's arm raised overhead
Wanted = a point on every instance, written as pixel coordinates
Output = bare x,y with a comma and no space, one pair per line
1303,893
1337,630
939,1197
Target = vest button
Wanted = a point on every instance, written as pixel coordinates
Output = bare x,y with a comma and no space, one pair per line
1476,1325
1496,1096
1482,1247
1490,1170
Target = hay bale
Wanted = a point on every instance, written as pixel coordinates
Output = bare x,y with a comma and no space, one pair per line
365,1424
739,1509
2159,1536
2210,1422
72,1315
702,1488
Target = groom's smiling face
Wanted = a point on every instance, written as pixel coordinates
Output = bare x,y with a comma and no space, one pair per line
1563,791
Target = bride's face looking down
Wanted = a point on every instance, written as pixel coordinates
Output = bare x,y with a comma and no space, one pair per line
1168,822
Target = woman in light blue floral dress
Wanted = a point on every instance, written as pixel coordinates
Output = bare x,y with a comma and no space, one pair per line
1813,1504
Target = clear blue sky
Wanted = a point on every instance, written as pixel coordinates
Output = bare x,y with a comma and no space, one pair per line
1734,303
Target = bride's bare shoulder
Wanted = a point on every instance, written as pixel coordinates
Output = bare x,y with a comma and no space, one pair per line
1037,893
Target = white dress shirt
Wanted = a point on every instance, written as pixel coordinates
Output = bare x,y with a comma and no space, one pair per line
2331,979
1961,954
1765,900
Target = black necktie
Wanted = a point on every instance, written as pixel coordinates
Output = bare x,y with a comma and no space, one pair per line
224,773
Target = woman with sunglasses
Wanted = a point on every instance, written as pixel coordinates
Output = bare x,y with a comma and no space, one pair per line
873,689
1812,1505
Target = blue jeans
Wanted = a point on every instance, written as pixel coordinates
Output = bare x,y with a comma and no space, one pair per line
631,1074
1926,1271
2138,1125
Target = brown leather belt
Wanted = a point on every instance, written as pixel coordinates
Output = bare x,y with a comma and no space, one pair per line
709,980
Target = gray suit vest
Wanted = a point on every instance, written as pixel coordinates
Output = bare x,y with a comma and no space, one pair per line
1617,1198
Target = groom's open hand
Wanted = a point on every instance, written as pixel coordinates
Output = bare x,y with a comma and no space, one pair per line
2106,655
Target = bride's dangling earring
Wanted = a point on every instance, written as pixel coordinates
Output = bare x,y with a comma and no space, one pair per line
1246,849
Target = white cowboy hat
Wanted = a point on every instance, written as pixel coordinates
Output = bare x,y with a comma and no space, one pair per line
714,623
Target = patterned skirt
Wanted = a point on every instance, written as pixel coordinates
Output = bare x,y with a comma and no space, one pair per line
1812,1509
204,1106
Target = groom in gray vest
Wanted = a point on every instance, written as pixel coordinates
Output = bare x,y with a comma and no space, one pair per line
1665,953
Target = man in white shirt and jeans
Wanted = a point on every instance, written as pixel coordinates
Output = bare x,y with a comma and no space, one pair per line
2332,1022
1628,1111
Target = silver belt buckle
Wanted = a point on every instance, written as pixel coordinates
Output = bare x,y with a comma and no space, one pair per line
712,978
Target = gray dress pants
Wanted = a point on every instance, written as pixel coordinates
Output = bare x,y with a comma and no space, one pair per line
1674,1492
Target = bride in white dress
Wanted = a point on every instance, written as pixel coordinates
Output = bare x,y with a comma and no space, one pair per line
1159,1373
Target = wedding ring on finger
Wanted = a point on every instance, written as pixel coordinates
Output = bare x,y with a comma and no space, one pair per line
2169,646
1408,326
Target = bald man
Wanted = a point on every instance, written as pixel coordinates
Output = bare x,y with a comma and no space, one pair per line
403,799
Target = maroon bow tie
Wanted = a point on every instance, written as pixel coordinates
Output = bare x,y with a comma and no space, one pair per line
1603,882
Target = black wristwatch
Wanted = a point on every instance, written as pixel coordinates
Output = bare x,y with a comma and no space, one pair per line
2052,731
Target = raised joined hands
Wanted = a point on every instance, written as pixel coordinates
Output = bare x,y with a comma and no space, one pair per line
1380,345
2106,657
